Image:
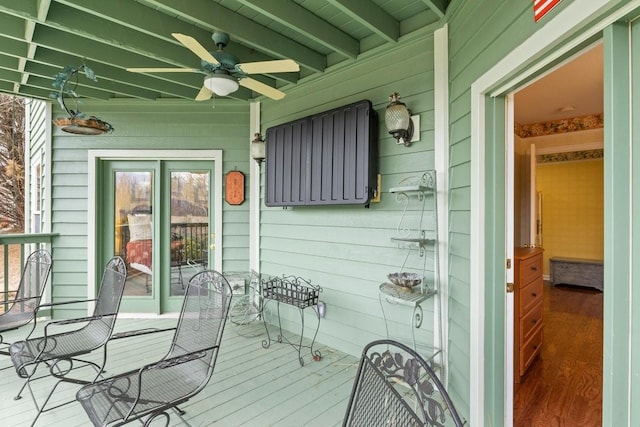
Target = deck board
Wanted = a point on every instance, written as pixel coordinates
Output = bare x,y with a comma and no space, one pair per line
251,385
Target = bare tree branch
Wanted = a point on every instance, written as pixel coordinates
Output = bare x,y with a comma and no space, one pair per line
12,191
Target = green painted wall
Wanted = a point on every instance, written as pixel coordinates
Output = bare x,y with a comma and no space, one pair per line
348,249
479,37
143,125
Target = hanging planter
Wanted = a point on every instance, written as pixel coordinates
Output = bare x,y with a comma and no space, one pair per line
76,122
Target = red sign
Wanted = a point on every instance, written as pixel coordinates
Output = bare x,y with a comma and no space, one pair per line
541,7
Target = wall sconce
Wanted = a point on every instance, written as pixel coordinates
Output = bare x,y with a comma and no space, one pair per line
397,119
258,148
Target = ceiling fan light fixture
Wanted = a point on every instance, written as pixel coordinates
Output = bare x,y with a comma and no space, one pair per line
221,84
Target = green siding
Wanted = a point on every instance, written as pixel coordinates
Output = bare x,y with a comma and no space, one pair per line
480,36
143,125
348,249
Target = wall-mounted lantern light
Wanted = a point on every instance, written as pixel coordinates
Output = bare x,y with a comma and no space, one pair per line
258,148
397,119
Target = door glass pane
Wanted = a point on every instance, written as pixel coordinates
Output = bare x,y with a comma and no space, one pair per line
189,227
134,228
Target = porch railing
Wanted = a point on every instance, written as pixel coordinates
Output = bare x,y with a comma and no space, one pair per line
15,248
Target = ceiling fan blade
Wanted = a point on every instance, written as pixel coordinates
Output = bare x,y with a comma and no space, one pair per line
262,88
266,67
204,94
163,70
194,46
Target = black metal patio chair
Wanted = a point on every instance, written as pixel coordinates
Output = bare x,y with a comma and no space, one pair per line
394,386
61,351
21,309
149,392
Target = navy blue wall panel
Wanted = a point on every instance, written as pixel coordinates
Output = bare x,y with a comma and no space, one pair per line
326,159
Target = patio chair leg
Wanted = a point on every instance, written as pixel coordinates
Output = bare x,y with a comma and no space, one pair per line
180,413
27,382
41,408
18,396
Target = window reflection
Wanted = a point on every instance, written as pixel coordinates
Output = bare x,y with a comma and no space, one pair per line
134,228
189,227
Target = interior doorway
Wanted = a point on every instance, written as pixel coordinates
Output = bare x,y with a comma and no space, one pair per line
559,205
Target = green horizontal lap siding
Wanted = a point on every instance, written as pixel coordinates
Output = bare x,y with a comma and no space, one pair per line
479,36
142,125
347,249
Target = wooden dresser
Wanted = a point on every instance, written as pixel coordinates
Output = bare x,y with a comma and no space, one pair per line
528,304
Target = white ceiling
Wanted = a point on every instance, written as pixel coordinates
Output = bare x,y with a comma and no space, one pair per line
574,89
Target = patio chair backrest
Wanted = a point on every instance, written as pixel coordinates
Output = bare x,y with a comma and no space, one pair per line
33,280
108,302
146,393
395,386
202,319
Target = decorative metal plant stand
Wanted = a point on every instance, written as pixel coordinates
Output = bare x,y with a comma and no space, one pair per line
394,295
417,235
295,292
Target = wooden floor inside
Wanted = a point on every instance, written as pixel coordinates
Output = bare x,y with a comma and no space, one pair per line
251,385
563,387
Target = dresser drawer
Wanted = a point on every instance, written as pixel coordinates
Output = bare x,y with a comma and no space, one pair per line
530,350
530,321
530,295
530,269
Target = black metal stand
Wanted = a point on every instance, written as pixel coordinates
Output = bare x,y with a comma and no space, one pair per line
298,293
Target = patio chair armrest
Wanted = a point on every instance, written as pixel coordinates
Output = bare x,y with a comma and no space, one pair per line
76,320
47,305
15,300
163,364
138,332
76,301
178,360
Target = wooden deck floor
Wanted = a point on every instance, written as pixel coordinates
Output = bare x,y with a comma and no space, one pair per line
251,386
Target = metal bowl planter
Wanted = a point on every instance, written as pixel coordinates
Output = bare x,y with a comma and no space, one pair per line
90,126
76,122
405,280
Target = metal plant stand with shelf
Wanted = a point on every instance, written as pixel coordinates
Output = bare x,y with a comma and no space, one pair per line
295,292
413,194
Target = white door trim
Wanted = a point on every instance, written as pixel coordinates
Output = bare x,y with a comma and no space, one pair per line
441,138
254,193
497,81
509,249
95,155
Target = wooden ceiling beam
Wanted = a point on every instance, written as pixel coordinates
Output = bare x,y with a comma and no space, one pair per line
439,7
309,25
372,16
211,15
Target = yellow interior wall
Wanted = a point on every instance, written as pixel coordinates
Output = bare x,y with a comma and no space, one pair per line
572,209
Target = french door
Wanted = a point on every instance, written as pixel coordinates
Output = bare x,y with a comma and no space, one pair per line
158,215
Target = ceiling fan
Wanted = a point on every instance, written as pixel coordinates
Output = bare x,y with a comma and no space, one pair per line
224,73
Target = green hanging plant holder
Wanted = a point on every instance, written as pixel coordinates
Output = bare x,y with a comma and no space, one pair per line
76,121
